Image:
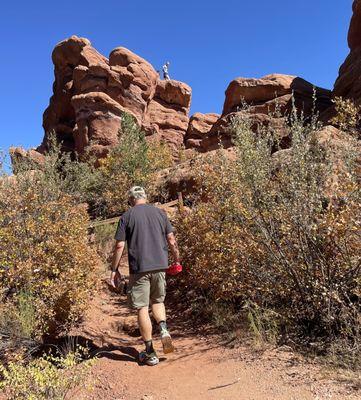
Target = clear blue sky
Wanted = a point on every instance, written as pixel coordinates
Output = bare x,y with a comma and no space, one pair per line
208,43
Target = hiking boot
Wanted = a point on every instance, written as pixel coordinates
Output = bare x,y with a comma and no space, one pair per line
149,359
166,341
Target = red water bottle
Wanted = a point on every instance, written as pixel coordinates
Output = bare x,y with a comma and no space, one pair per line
174,269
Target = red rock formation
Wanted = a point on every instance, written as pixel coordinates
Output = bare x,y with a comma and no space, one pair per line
91,93
222,131
268,101
354,34
60,117
348,84
256,91
199,125
274,92
98,121
132,81
167,113
30,157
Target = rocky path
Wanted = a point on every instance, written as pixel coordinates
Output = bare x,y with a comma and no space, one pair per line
200,369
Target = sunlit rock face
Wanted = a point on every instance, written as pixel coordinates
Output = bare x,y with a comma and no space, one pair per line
91,93
268,102
348,83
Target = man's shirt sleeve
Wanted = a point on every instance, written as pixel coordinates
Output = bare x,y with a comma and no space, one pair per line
168,226
120,234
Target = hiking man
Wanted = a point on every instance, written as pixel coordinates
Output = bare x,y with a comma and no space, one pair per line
165,71
148,233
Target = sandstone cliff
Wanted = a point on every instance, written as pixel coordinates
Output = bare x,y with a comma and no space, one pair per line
348,83
91,92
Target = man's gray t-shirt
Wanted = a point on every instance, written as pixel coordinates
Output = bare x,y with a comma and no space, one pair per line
145,229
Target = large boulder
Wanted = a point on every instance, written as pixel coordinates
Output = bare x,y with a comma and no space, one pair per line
199,125
348,83
255,91
222,132
132,81
98,120
29,158
273,93
167,113
267,102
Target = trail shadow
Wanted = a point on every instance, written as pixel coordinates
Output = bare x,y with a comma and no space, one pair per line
128,354
63,345
66,344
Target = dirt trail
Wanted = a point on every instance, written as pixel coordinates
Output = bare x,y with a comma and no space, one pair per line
200,369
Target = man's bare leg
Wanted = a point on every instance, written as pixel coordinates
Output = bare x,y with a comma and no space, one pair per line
159,315
145,324
158,310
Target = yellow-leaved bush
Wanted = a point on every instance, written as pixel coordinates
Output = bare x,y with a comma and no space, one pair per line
44,253
215,247
347,115
280,233
45,378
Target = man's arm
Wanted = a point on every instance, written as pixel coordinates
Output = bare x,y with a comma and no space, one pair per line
173,247
117,255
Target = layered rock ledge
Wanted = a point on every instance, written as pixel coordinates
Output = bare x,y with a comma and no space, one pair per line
91,92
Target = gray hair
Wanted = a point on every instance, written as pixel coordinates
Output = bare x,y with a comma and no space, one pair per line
137,193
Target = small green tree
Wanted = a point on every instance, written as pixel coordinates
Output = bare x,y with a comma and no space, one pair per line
134,161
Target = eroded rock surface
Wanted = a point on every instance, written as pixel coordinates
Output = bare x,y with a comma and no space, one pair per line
199,125
348,83
268,102
91,93
167,113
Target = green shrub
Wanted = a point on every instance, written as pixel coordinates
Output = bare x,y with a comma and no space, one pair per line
134,161
278,236
46,378
17,326
63,175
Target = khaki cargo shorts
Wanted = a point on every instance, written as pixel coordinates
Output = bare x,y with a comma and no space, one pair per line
146,288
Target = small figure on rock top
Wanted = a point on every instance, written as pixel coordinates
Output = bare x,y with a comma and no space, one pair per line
165,71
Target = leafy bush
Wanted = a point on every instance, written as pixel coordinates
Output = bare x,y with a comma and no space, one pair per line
347,114
276,235
134,161
63,175
44,252
17,326
46,378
